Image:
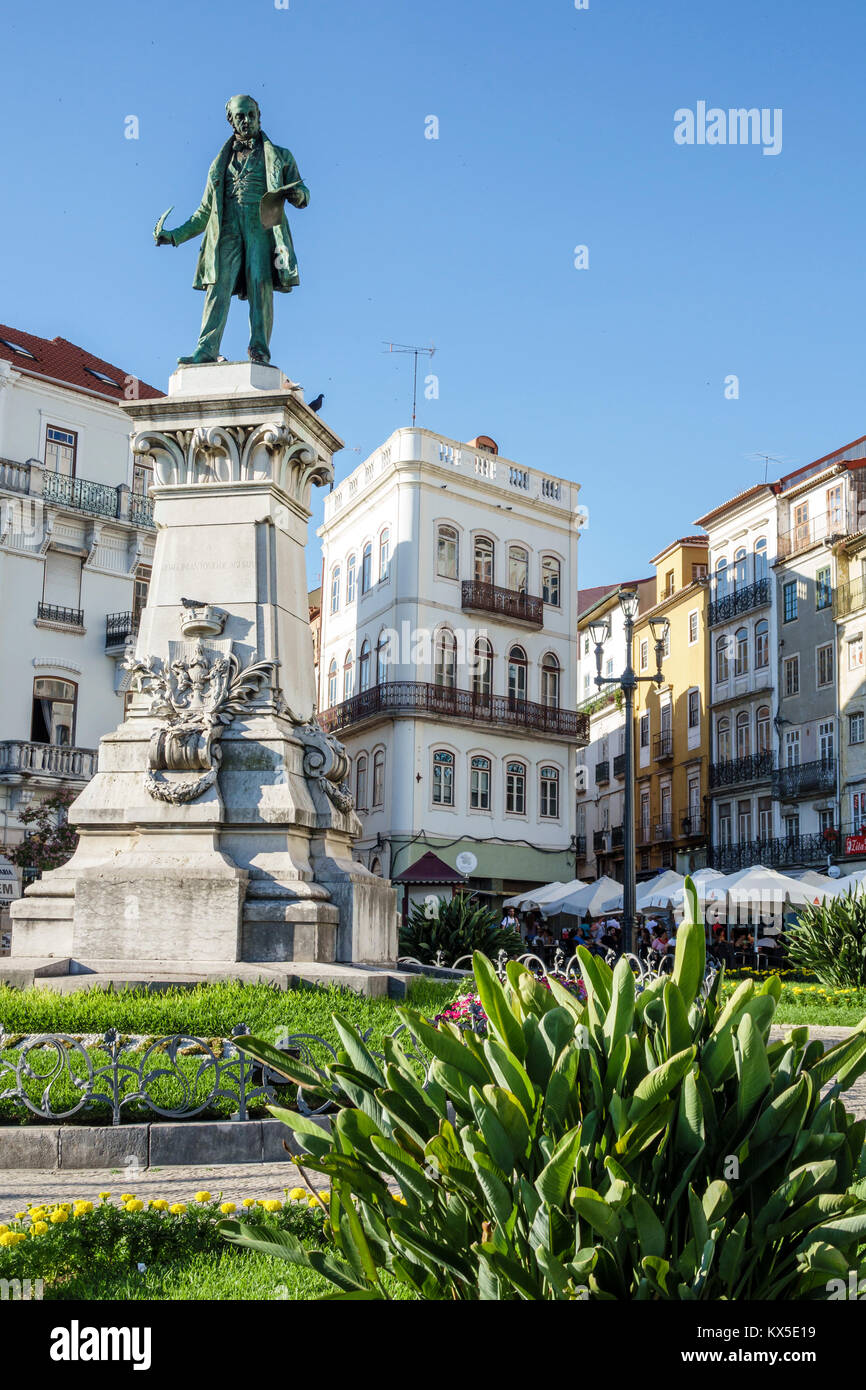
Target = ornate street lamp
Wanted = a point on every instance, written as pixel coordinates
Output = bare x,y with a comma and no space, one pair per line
629,602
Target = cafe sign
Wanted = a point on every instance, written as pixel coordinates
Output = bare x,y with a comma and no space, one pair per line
10,884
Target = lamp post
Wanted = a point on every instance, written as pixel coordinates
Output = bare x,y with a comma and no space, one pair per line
599,631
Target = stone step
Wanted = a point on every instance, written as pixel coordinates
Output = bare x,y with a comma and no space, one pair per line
67,976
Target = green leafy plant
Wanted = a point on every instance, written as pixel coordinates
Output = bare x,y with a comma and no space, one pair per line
651,1145
829,939
455,927
52,840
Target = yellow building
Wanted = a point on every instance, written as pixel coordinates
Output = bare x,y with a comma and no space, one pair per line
672,724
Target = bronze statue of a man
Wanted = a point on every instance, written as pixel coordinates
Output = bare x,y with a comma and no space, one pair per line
247,248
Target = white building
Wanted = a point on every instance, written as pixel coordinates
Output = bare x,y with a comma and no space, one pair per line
601,786
76,540
448,661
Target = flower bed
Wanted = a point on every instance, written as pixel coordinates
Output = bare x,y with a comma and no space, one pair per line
466,1010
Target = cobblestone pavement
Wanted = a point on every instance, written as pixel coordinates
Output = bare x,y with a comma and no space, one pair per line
234,1181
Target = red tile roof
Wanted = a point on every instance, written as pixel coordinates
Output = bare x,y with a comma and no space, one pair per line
66,362
429,869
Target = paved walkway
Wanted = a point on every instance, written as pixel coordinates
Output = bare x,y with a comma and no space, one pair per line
234,1181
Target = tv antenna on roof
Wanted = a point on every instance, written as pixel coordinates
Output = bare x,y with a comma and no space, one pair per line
405,347
768,459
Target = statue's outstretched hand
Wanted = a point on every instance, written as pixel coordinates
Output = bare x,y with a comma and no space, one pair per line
164,239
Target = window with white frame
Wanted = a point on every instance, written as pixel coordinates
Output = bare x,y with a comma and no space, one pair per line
479,783
447,552
549,793
550,580
335,589
644,730
791,675
762,645
722,667
60,450
644,654
518,568
694,709
855,652
858,812
443,777
789,596
361,782
825,664
827,740
792,748
855,727
367,567
332,683
364,666
348,676
384,554
693,626
515,789
550,673
483,560
445,659
379,778
351,578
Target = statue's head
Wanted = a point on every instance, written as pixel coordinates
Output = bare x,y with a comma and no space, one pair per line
243,115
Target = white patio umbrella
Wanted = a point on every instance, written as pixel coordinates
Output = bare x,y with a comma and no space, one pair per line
852,883
536,895
659,893
551,906
605,895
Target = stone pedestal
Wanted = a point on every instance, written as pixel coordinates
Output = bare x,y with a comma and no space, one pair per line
219,825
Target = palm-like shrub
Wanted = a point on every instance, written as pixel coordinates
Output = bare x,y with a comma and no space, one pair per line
640,1146
455,927
829,939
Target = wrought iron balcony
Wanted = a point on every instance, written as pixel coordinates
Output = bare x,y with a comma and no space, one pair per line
847,598
691,824
616,837
580,846
54,613
663,745
801,779
771,853
602,773
809,533
140,510
100,499
663,830
741,600
392,698
619,765
643,833
506,603
599,841
752,768
119,627
19,758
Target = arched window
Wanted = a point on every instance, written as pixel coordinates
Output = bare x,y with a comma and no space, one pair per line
550,681
443,778
740,568
52,718
364,666
445,659
741,652
762,644
383,656
548,792
479,784
744,735
723,740
367,567
332,683
517,673
379,778
447,552
761,558
721,579
348,676
518,569
721,658
361,782
351,575
483,566
550,577
762,727
384,554
515,789
482,669
335,589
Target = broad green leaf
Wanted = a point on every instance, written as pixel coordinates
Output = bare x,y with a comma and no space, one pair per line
690,958
495,1005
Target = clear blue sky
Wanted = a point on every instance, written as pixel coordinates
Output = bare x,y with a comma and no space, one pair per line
556,129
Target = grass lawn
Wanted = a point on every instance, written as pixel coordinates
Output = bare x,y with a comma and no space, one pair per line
222,1275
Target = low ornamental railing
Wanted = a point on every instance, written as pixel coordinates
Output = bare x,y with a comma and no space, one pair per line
742,600
140,510
771,853
14,477
57,1075
800,779
100,499
54,613
750,768
401,697
119,627
55,759
509,603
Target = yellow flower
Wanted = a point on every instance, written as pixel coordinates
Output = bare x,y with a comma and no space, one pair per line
19,1215
227,1208
12,1238
103,1195
178,1209
35,1213
135,1205
249,1201
58,1217
325,1197
272,1205
3,1230
298,1194
83,1208
159,1204
202,1197
39,1228
127,1196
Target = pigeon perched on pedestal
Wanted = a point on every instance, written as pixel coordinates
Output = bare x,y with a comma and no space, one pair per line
317,403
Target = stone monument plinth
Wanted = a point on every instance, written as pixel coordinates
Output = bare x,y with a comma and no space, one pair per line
219,825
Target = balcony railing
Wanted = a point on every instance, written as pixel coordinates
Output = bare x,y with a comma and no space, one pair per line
46,759
619,765
616,837
507,603
801,779
663,830
580,846
643,833
771,853
140,510
808,533
740,600
119,627
99,499
77,494
420,697
751,768
14,477
602,773
54,613
599,841
691,824
663,745
847,598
